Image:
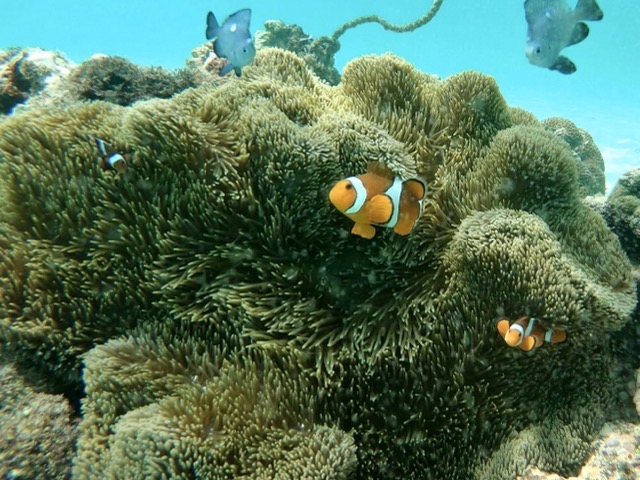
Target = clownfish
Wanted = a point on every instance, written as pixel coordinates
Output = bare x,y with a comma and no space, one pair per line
528,333
379,198
110,158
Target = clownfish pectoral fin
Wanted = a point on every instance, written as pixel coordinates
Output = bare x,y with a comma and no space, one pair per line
380,209
416,187
364,230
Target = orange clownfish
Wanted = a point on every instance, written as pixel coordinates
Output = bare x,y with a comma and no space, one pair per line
528,333
379,198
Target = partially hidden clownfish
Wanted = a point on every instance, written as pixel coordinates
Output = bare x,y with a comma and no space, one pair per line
528,333
379,198
110,158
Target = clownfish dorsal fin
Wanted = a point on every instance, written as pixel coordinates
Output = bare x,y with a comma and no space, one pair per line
417,187
379,168
380,209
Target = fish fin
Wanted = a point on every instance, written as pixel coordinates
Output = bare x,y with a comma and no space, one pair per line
528,343
238,71
379,168
580,32
102,146
529,11
242,18
558,336
416,187
364,230
212,26
217,49
503,327
380,208
589,10
409,214
563,65
226,69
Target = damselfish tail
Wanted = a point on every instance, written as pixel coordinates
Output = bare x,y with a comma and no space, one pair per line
588,10
212,26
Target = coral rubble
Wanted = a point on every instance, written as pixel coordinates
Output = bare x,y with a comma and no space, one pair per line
230,326
27,72
38,433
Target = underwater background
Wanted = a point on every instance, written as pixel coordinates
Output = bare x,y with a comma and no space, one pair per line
189,288
602,97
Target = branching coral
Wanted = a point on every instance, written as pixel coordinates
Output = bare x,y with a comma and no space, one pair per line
319,53
230,276
409,27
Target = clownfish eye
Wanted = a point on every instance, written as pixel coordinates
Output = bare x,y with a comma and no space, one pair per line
348,186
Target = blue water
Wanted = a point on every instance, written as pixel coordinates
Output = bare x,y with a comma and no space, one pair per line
603,96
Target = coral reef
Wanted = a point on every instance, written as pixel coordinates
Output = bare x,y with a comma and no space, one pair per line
318,53
26,72
616,457
38,434
622,213
590,164
117,80
636,396
224,416
235,329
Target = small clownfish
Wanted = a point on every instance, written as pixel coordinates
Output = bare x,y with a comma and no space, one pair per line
528,333
109,158
379,198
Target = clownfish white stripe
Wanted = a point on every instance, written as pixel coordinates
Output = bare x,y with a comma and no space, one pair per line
547,335
519,328
529,329
115,158
102,148
394,192
361,195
